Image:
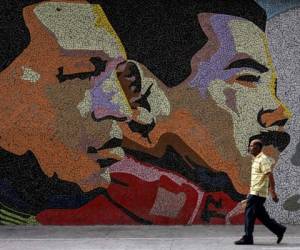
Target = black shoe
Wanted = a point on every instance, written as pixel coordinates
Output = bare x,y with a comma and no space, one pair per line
244,241
280,236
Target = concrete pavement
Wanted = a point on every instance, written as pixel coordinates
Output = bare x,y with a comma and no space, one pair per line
140,238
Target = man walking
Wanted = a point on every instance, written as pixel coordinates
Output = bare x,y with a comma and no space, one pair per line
262,181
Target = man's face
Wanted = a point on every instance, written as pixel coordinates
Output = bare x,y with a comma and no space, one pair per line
228,100
74,88
50,114
235,71
240,77
80,114
254,148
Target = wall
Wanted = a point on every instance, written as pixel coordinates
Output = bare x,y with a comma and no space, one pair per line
141,113
283,33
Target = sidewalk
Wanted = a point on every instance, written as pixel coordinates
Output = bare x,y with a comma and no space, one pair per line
140,238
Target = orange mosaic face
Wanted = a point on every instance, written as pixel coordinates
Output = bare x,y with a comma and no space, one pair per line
75,112
45,115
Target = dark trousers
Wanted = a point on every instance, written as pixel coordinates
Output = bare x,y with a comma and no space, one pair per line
255,209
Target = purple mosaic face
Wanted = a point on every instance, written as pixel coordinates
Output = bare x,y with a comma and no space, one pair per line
215,67
235,69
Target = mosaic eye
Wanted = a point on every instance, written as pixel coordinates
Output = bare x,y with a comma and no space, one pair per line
248,78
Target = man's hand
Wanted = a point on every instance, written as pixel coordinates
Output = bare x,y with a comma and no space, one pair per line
274,196
272,188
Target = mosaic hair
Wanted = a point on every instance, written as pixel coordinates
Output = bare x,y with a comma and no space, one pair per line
161,34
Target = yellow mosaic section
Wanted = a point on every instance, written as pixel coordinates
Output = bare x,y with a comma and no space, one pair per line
102,21
272,86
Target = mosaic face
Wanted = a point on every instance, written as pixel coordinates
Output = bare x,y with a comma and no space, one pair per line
107,124
232,88
241,79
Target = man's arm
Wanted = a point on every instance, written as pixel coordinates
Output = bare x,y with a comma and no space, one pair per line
272,186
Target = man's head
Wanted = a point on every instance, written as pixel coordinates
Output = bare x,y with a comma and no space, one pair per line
165,80
214,57
255,147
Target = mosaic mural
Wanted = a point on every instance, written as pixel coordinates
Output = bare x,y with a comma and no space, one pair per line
284,35
141,112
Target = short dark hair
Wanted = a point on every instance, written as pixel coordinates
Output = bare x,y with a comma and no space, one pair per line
161,34
258,143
